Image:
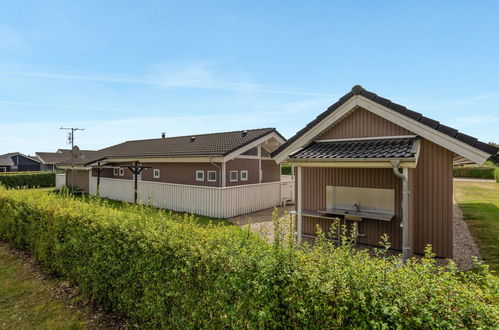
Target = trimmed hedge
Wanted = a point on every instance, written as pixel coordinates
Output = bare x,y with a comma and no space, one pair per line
286,169
28,180
496,174
165,270
474,172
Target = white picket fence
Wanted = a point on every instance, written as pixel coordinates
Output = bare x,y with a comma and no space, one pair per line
60,180
214,202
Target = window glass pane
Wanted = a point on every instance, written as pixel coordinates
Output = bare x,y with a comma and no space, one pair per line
212,176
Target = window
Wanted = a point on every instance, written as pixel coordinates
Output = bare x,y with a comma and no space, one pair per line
156,173
122,171
212,176
233,176
244,175
116,171
199,175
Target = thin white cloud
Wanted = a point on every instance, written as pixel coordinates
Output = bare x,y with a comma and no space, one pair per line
174,81
70,107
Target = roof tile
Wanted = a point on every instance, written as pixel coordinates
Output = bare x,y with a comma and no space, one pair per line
429,122
447,130
363,149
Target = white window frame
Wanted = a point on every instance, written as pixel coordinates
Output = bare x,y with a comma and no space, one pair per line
245,172
122,171
230,176
199,179
116,171
156,173
208,176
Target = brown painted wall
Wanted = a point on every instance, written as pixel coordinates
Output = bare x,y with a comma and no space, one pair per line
80,179
430,185
431,199
271,171
242,164
182,173
362,123
185,173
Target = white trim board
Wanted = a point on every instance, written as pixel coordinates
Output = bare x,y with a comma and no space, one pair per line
412,125
253,144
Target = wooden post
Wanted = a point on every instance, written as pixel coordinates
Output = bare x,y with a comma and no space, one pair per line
136,168
300,205
99,170
135,172
260,163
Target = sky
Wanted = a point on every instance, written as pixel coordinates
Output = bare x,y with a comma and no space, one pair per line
126,70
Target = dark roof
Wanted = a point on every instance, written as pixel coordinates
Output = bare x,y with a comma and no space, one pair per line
63,156
359,90
203,145
6,159
362,149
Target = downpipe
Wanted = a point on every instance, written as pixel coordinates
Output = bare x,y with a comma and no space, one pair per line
405,209
219,169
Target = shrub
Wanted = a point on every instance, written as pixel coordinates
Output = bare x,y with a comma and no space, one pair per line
28,180
474,172
286,169
496,174
165,270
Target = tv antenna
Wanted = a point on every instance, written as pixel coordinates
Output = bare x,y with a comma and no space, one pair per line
71,140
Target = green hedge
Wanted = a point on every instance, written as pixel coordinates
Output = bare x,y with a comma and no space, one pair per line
496,174
286,169
474,172
28,180
165,270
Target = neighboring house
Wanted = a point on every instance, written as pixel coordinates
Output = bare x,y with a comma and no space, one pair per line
374,162
63,159
49,160
18,162
210,160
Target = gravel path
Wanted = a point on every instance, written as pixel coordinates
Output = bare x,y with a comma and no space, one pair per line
261,221
464,244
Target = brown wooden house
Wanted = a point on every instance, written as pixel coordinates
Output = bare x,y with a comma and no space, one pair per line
369,160
212,160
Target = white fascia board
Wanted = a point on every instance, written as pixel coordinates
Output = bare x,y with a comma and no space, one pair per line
76,167
253,144
317,129
412,125
41,159
424,131
353,164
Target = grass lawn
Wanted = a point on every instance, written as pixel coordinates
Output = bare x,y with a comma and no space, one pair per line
28,302
479,202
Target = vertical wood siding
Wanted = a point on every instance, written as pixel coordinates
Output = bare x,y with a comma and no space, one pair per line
314,198
431,199
362,123
430,185
80,179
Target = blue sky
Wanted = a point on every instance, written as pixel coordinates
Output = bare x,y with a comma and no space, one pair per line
133,69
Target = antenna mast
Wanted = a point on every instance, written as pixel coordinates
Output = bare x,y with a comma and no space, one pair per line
71,139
